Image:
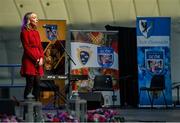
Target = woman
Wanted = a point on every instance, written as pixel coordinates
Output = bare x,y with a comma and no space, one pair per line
32,59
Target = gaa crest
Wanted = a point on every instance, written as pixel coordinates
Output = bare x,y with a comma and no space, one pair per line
51,32
84,54
154,62
146,27
105,56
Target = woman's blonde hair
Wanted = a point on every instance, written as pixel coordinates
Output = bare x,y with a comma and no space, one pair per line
26,21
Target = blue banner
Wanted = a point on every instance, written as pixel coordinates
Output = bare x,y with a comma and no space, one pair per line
105,56
153,38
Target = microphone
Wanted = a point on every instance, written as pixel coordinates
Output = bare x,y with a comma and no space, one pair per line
45,26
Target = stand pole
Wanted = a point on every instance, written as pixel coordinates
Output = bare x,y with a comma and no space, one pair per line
69,58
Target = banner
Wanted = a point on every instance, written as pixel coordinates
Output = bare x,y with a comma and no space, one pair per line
53,37
153,39
95,53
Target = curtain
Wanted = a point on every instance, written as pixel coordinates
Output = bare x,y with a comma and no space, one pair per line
127,49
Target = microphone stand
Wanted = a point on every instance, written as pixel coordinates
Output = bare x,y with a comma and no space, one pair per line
69,59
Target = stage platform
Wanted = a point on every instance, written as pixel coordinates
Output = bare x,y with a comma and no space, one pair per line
129,114
145,114
150,115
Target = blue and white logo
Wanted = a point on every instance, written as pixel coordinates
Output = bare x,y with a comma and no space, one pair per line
146,27
105,56
154,61
51,32
84,54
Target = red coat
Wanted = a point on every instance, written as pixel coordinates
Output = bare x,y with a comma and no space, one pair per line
32,51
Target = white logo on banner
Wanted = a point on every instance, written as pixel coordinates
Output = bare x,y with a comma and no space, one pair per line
146,27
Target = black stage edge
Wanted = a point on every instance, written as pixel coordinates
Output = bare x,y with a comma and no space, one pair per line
7,106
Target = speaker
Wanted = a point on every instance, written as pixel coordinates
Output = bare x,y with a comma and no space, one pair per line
94,99
7,106
103,83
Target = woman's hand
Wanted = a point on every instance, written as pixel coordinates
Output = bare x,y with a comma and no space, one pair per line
41,61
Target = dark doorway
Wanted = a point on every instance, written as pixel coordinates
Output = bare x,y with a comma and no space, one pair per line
127,49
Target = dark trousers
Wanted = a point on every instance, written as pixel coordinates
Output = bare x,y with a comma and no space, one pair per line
32,84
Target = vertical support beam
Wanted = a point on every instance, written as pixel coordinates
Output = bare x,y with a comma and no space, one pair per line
90,12
135,10
112,10
20,16
67,10
159,12
44,11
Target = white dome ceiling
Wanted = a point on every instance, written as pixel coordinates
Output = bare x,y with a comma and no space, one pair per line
88,13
